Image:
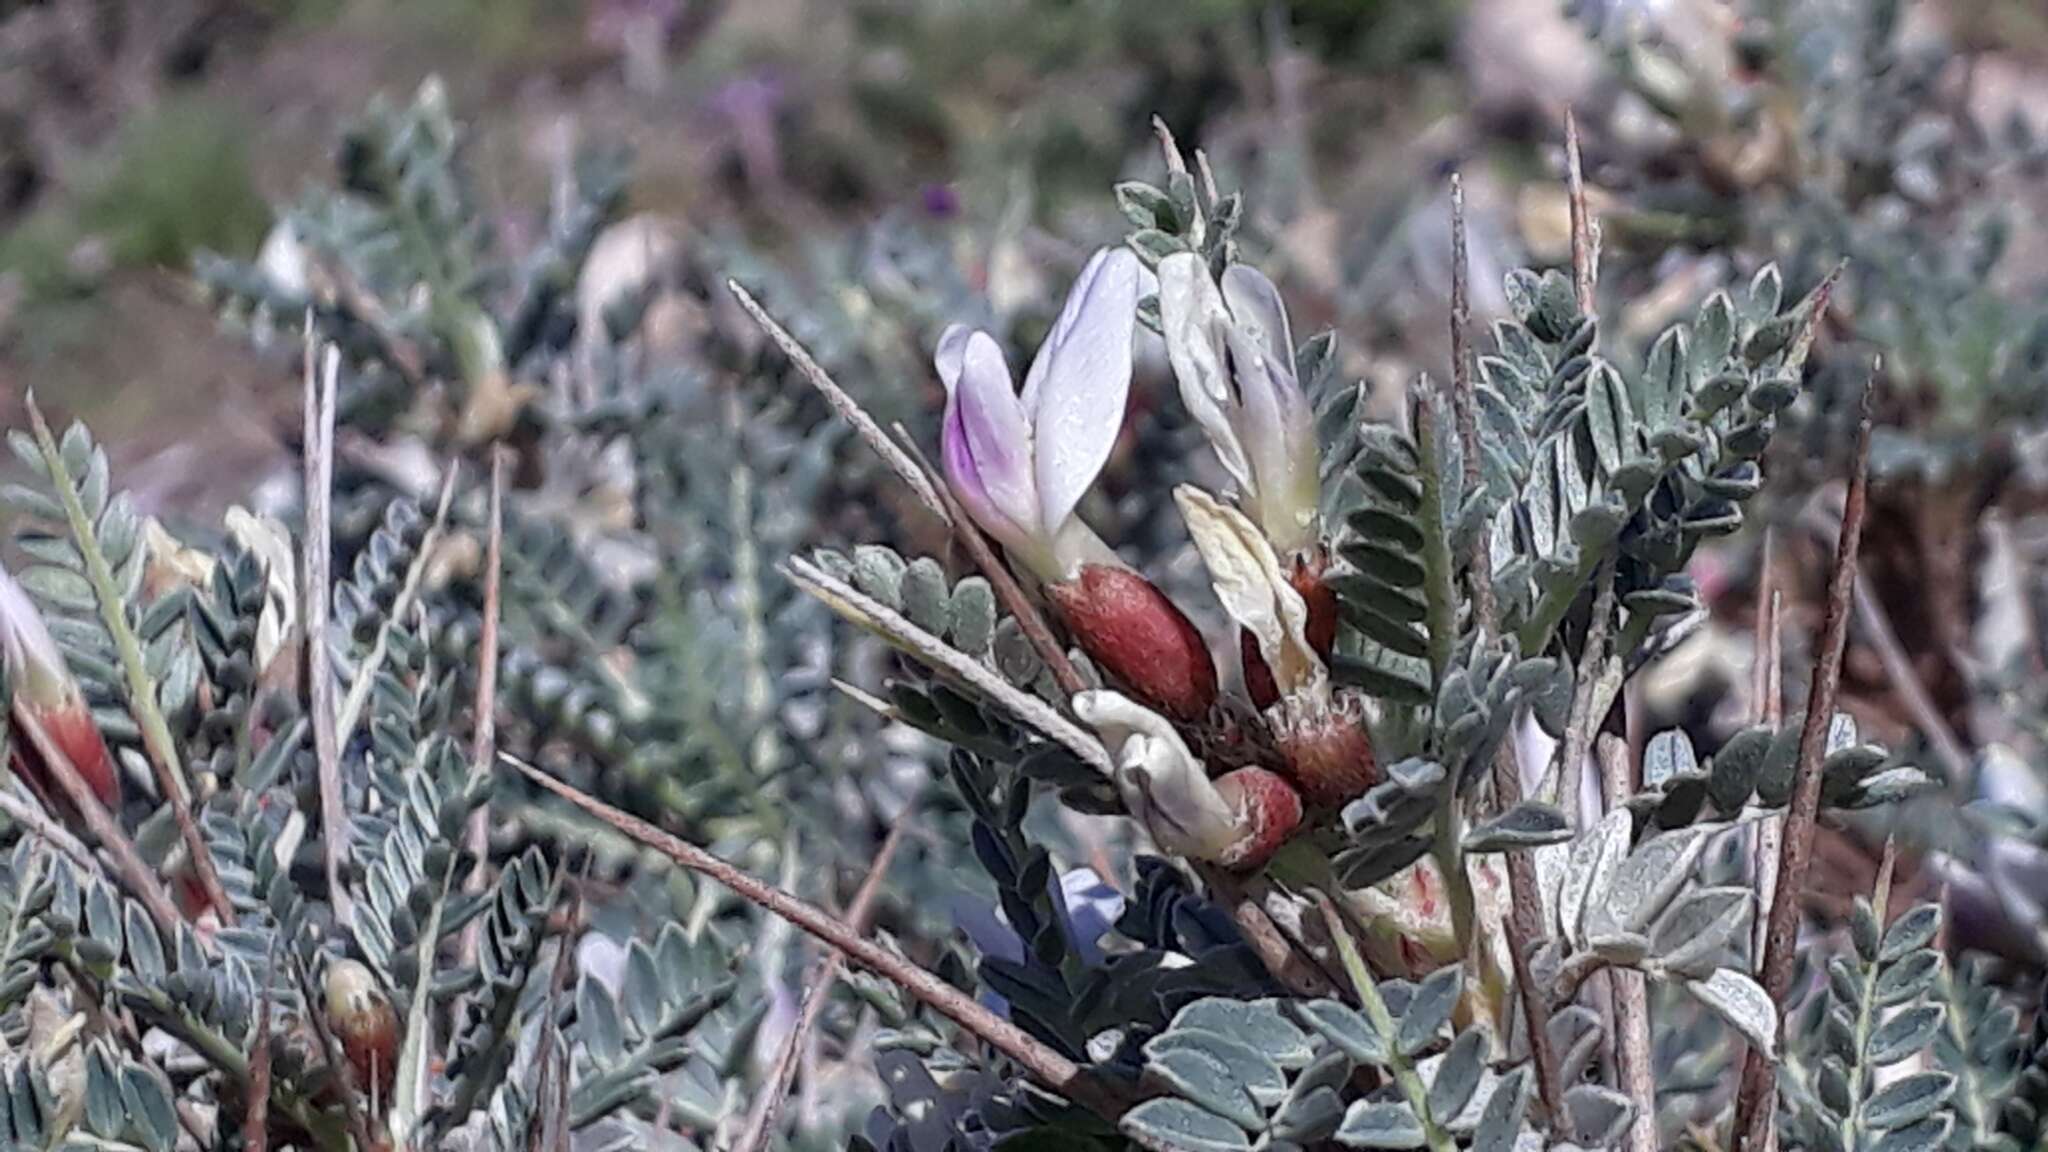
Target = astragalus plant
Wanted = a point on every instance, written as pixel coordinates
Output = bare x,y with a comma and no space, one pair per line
1412,880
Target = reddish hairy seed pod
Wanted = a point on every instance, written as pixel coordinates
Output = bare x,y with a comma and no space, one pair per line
71,730
1268,809
1137,637
1327,748
1306,576
365,1023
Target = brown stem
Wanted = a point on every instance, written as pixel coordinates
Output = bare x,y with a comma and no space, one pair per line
1525,909
138,878
761,1120
848,408
1630,995
1755,1110
1585,244
1049,1068
484,741
318,597
256,1121
1006,588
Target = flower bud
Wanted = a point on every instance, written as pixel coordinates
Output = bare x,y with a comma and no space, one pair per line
1306,577
1269,810
41,688
1139,638
363,1020
1326,746
1238,820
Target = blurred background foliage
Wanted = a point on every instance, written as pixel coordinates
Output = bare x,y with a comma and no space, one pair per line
875,168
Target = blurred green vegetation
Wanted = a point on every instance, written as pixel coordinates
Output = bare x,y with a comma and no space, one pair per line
172,182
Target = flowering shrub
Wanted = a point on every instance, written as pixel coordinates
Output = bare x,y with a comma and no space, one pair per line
1347,842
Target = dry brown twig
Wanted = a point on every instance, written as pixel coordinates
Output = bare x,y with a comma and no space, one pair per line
1008,591
761,1120
138,878
1048,1068
848,408
1633,1065
315,587
1755,1106
1525,912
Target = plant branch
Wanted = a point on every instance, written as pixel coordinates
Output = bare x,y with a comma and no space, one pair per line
761,1120
1006,588
141,881
1755,1110
316,590
848,408
1023,706
1049,1068
1633,1065
1585,231
142,688
1383,1022
1525,909
1768,703
1586,711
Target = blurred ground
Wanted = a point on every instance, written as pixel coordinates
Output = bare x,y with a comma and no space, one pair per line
133,134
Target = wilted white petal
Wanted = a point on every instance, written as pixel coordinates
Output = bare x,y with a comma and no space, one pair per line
1254,590
1194,323
1162,783
1279,435
1079,383
30,656
1256,305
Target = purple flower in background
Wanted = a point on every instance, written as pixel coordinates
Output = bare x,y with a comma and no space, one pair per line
940,200
1233,354
1021,461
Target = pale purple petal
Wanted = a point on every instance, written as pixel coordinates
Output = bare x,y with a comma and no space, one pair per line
985,444
1256,304
1081,380
951,351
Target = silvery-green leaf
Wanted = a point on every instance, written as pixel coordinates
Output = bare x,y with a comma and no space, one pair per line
1249,1068
1713,332
1698,928
597,1017
1203,1079
1667,754
1645,883
1912,930
925,595
1529,824
1309,1117
1501,1123
105,1113
1925,1136
1255,1022
1457,1075
1598,1114
1743,1003
1908,1100
878,572
971,616
1430,1009
148,1100
1595,857
1904,1034
1345,1028
1909,978
1388,1124
1179,1124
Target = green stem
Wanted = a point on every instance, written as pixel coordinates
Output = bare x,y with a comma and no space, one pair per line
1439,585
1550,610
142,701
1376,1013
